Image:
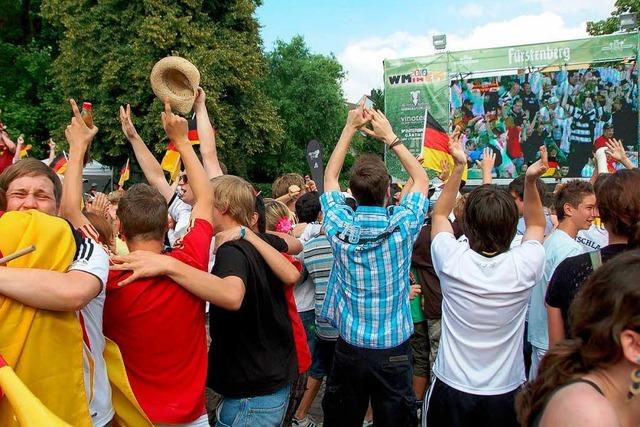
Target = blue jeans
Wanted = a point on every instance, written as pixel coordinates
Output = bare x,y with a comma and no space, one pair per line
259,411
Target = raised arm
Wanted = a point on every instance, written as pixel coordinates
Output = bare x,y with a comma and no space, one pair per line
616,150
207,136
52,151
150,167
486,165
446,201
382,130
534,219
176,128
79,136
19,145
11,146
355,120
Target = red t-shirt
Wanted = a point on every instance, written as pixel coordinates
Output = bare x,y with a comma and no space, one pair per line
6,158
303,354
513,142
160,329
602,142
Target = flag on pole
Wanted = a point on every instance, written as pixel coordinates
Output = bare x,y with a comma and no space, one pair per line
435,145
59,163
24,151
171,160
124,174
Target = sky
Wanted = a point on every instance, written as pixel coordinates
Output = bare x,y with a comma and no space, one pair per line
361,34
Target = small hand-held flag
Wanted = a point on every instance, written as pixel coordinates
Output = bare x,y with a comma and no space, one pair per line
124,174
171,160
24,151
435,145
59,163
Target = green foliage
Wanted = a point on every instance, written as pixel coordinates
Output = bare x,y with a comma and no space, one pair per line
306,91
109,48
612,23
27,45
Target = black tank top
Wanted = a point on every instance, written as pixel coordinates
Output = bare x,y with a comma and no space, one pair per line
536,420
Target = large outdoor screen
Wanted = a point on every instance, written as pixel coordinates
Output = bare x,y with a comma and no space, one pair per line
571,111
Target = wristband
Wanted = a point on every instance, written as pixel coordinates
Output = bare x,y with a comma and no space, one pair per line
243,232
395,142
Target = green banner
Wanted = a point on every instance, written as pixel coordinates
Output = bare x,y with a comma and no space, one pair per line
413,85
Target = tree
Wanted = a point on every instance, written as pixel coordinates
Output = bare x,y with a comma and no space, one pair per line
306,91
27,47
107,52
612,23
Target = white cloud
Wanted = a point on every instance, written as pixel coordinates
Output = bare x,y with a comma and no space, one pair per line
362,59
472,10
598,9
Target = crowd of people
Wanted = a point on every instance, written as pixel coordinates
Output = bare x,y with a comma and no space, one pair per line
469,310
567,111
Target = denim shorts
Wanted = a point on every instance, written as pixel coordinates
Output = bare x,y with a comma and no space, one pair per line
322,359
258,411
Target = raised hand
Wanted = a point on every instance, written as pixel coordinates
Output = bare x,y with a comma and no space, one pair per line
358,117
21,140
199,102
455,148
52,145
78,134
128,128
538,169
381,127
616,150
100,205
446,170
488,160
175,126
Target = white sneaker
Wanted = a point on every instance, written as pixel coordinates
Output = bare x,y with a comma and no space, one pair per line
305,422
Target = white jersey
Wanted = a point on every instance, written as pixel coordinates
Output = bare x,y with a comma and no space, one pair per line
180,212
92,259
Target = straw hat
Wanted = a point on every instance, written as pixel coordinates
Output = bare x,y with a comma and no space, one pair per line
177,79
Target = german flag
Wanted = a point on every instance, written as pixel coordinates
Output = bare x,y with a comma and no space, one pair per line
171,160
59,163
435,145
124,174
24,151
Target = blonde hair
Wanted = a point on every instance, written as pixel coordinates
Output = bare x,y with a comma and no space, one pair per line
274,211
235,196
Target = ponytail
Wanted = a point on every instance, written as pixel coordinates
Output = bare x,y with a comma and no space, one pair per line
561,364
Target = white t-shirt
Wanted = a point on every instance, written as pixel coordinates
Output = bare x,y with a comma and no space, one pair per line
91,258
594,238
484,303
558,246
305,292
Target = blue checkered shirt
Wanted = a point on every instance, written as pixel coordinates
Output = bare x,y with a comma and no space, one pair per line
368,291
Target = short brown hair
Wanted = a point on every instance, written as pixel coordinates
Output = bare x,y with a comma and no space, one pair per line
281,185
618,201
369,180
143,213
490,219
235,196
573,192
31,167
